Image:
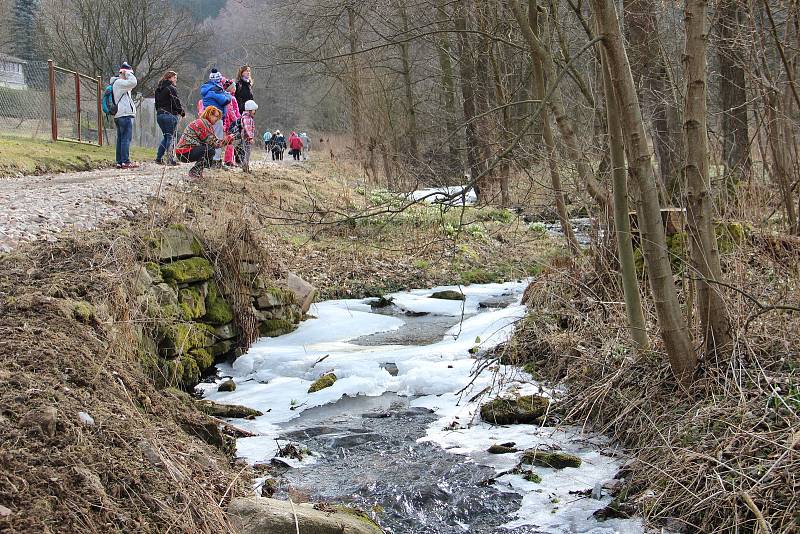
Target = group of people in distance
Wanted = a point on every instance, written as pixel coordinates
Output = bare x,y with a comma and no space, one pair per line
299,145
221,136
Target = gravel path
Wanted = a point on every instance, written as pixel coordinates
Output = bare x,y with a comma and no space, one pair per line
42,207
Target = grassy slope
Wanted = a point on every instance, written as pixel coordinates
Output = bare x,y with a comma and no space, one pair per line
26,155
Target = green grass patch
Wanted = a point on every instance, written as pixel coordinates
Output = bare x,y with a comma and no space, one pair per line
37,156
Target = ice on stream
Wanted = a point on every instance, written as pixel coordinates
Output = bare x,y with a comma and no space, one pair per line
275,374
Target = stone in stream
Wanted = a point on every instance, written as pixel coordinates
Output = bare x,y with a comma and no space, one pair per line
227,411
501,449
228,385
502,301
448,294
390,368
553,459
259,515
526,409
325,381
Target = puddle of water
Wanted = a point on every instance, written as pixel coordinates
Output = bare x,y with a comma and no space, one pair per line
395,434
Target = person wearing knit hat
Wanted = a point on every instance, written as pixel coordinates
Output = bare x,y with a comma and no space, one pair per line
121,88
213,94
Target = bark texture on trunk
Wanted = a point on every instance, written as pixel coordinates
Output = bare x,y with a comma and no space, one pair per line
412,135
448,85
650,73
703,249
355,85
732,95
673,328
622,222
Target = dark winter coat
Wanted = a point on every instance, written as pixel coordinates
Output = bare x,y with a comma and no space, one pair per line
244,92
214,95
167,99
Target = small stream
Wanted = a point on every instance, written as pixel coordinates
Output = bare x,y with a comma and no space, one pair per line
397,436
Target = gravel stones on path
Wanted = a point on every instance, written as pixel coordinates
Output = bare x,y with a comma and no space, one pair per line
42,207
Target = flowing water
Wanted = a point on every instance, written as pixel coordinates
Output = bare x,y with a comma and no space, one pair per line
398,433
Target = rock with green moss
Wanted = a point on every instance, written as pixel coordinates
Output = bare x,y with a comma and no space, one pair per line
228,411
182,338
203,357
175,242
195,269
506,411
275,327
257,515
191,302
221,348
448,294
730,235
553,459
165,295
270,297
501,449
530,476
218,311
154,271
325,381
181,371
83,311
227,385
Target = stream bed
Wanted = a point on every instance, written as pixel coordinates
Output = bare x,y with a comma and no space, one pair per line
398,434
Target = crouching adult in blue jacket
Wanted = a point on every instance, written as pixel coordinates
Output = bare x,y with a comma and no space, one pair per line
213,94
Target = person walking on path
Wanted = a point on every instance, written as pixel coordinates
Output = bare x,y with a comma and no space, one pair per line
199,141
213,94
244,87
121,88
248,133
278,146
295,146
267,138
306,144
231,115
168,111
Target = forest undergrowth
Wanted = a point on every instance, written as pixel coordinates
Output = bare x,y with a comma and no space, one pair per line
722,457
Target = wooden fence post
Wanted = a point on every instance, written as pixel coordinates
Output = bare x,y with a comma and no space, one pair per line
53,118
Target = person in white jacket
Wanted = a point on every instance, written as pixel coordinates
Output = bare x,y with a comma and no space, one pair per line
126,112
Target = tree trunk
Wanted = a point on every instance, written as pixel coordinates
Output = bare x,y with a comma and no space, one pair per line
622,222
467,70
674,331
355,86
542,56
448,86
648,67
411,135
530,28
704,253
733,96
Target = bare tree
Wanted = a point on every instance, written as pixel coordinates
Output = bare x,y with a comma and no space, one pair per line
94,36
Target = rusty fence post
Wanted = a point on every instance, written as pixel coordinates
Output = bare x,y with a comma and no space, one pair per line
78,103
99,111
53,118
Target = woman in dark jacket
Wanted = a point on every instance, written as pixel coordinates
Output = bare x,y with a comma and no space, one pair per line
244,87
168,109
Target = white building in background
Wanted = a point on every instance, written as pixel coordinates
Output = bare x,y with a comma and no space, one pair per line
11,72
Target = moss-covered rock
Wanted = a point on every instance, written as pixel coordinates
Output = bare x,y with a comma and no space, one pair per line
501,449
191,302
270,297
554,459
182,371
203,358
83,311
154,271
227,385
218,311
325,381
448,294
182,338
231,411
530,476
526,409
730,235
360,515
275,327
221,348
175,242
195,269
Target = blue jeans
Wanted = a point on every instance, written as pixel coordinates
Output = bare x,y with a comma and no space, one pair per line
167,122
124,135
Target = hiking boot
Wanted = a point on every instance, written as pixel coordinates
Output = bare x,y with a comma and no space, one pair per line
158,162
196,172
172,163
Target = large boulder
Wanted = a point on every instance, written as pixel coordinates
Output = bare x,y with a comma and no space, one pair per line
258,515
526,409
448,294
304,293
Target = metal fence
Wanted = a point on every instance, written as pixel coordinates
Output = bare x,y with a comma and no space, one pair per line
24,98
75,112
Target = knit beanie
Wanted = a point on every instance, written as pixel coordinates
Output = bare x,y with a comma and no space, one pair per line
215,75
